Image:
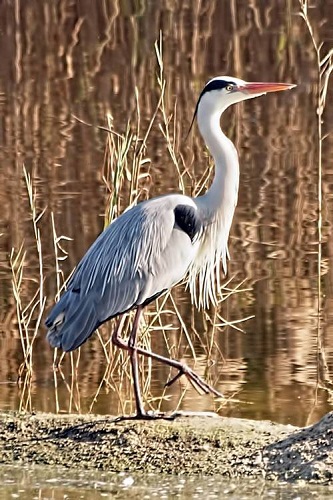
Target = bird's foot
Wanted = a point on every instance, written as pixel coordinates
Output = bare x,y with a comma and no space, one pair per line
197,382
150,415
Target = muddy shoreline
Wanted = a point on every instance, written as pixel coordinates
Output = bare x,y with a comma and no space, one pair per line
186,445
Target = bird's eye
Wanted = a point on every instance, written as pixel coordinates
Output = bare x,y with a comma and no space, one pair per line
229,87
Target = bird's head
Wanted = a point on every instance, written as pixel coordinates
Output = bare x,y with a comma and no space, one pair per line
222,91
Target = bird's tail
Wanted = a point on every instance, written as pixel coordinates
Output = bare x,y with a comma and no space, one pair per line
71,321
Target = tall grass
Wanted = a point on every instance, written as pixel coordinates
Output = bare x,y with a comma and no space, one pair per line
29,315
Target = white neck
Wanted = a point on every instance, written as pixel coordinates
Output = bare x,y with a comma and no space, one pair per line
222,194
217,208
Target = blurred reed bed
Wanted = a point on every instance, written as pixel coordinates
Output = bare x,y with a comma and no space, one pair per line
324,67
70,60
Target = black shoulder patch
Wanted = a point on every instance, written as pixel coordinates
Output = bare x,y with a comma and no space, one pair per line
187,220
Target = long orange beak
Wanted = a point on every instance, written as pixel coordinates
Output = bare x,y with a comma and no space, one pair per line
261,88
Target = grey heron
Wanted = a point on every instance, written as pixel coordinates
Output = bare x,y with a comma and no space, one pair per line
155,244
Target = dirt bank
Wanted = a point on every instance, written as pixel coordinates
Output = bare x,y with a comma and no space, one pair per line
186,445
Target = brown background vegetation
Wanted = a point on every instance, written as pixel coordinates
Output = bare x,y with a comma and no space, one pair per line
60,59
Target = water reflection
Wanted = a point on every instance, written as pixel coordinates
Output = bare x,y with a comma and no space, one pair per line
60,60
36,482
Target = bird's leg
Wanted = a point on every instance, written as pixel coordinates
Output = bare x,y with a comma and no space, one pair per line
116,338
133,354
182,368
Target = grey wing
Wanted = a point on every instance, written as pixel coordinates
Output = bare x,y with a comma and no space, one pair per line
138,256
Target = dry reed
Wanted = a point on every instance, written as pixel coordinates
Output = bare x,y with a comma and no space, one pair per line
324,68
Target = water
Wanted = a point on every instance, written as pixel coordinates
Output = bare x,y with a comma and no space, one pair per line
78,59
36,483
